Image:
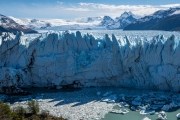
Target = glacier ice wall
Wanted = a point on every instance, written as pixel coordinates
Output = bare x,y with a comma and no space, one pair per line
57,59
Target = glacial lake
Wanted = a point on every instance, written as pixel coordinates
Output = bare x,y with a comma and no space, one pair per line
81,99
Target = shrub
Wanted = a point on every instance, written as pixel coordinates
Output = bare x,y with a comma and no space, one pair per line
20,111
33,107
5,111
44,113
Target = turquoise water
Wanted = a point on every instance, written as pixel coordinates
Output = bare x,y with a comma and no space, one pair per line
134,115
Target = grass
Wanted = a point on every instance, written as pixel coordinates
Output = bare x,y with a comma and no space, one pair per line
19,113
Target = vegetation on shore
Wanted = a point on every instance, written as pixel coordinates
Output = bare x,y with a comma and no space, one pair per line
20,113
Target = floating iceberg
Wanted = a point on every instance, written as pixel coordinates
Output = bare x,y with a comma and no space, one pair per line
123,111
109,99
162,116
146,118
178,115
145,112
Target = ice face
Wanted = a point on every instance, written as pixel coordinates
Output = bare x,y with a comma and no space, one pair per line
62,58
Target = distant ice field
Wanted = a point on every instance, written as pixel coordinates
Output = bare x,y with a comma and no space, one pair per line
144,33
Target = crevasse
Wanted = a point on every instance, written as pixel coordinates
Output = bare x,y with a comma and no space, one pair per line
56,59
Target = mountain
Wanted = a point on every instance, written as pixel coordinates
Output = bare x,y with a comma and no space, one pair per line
9,25
120,22
60,24
107,22
125,19
170,23
88,23
160,20
32,23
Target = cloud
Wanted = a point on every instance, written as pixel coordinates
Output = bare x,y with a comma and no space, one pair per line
78,9
64,10
170,5
116,10
58,2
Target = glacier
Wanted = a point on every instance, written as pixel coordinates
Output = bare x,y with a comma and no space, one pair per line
58,59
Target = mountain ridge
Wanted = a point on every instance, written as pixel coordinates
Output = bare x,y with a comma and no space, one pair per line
157,21
119,22
9,25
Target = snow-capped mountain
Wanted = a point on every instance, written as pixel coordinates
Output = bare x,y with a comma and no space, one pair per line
90,23
120,22
107,22
32,23
9,25
154,21
60,24
125,19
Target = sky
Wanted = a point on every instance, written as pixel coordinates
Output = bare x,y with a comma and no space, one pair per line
70,9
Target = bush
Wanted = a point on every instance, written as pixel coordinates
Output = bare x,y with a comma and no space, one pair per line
44,114
20,111
5,111
33,107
